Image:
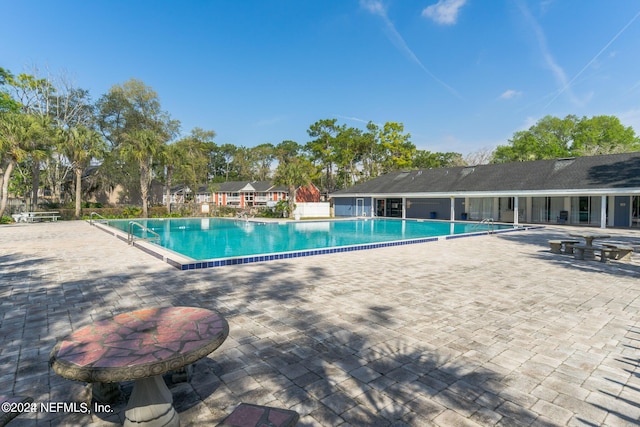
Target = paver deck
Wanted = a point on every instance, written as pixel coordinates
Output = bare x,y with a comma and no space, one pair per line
492,330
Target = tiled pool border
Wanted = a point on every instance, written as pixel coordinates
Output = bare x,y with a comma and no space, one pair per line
173,258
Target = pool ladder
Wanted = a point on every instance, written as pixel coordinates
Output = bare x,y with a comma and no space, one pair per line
94,214
487,221
131,237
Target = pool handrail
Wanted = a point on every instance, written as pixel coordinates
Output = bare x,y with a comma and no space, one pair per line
131,237
102,219
489,222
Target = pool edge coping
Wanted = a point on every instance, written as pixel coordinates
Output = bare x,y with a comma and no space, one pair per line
184,263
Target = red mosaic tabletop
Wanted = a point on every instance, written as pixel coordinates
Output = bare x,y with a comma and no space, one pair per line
139,344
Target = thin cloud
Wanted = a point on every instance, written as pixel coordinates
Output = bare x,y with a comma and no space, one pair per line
566,87
355,119
376,7
510,94
444,12
556,70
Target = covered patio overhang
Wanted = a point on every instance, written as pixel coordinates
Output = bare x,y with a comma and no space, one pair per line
516,195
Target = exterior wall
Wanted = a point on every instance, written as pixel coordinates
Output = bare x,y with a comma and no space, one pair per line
428,208
344,206
309,194
621,211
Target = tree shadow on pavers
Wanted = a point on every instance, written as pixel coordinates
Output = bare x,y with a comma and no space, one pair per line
619,396
624,406
23,316
12,266
345,376
101,295
615,268
187,395
540,240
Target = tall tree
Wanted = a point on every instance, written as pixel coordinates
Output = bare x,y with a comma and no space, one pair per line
82,144
293,173
286,150
371,152
7,103
228,152
34,95
397,147
348,154
549,138
17,131
603,135
424,159
72,107
263,155
191,163
131,118
322,149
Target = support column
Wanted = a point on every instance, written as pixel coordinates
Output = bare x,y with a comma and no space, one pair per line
515,211
603,212
404,207
453,208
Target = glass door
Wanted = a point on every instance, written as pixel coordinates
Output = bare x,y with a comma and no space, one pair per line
359,207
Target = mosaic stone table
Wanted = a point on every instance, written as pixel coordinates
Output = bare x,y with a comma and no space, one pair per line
141,345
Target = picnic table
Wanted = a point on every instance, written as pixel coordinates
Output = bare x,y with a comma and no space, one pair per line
587,250
141,345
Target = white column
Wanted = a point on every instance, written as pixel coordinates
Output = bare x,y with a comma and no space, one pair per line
404,207
373,207
515,211
453,208
603,212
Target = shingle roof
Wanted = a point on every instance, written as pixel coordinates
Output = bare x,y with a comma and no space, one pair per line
579,173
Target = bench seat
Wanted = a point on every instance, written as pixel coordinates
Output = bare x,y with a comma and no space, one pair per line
562,246
40,217
623,252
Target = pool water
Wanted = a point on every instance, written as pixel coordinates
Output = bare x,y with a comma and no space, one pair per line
215,238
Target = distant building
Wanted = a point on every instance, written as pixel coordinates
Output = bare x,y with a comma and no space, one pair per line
243,194
596,190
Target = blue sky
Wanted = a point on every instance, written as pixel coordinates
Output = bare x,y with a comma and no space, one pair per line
462,75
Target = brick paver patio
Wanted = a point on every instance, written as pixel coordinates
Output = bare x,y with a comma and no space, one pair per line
491,330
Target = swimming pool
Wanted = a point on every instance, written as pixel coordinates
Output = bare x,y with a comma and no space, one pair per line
214,242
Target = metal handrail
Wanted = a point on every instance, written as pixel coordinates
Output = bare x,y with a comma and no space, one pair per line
489,222
131,237
91,220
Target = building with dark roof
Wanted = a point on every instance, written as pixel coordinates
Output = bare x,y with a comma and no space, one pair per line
242,194
596,190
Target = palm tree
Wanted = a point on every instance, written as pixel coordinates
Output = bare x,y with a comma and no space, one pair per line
293,173
143,146
17,131
82,144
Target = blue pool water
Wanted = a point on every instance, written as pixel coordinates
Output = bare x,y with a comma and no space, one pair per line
215,238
